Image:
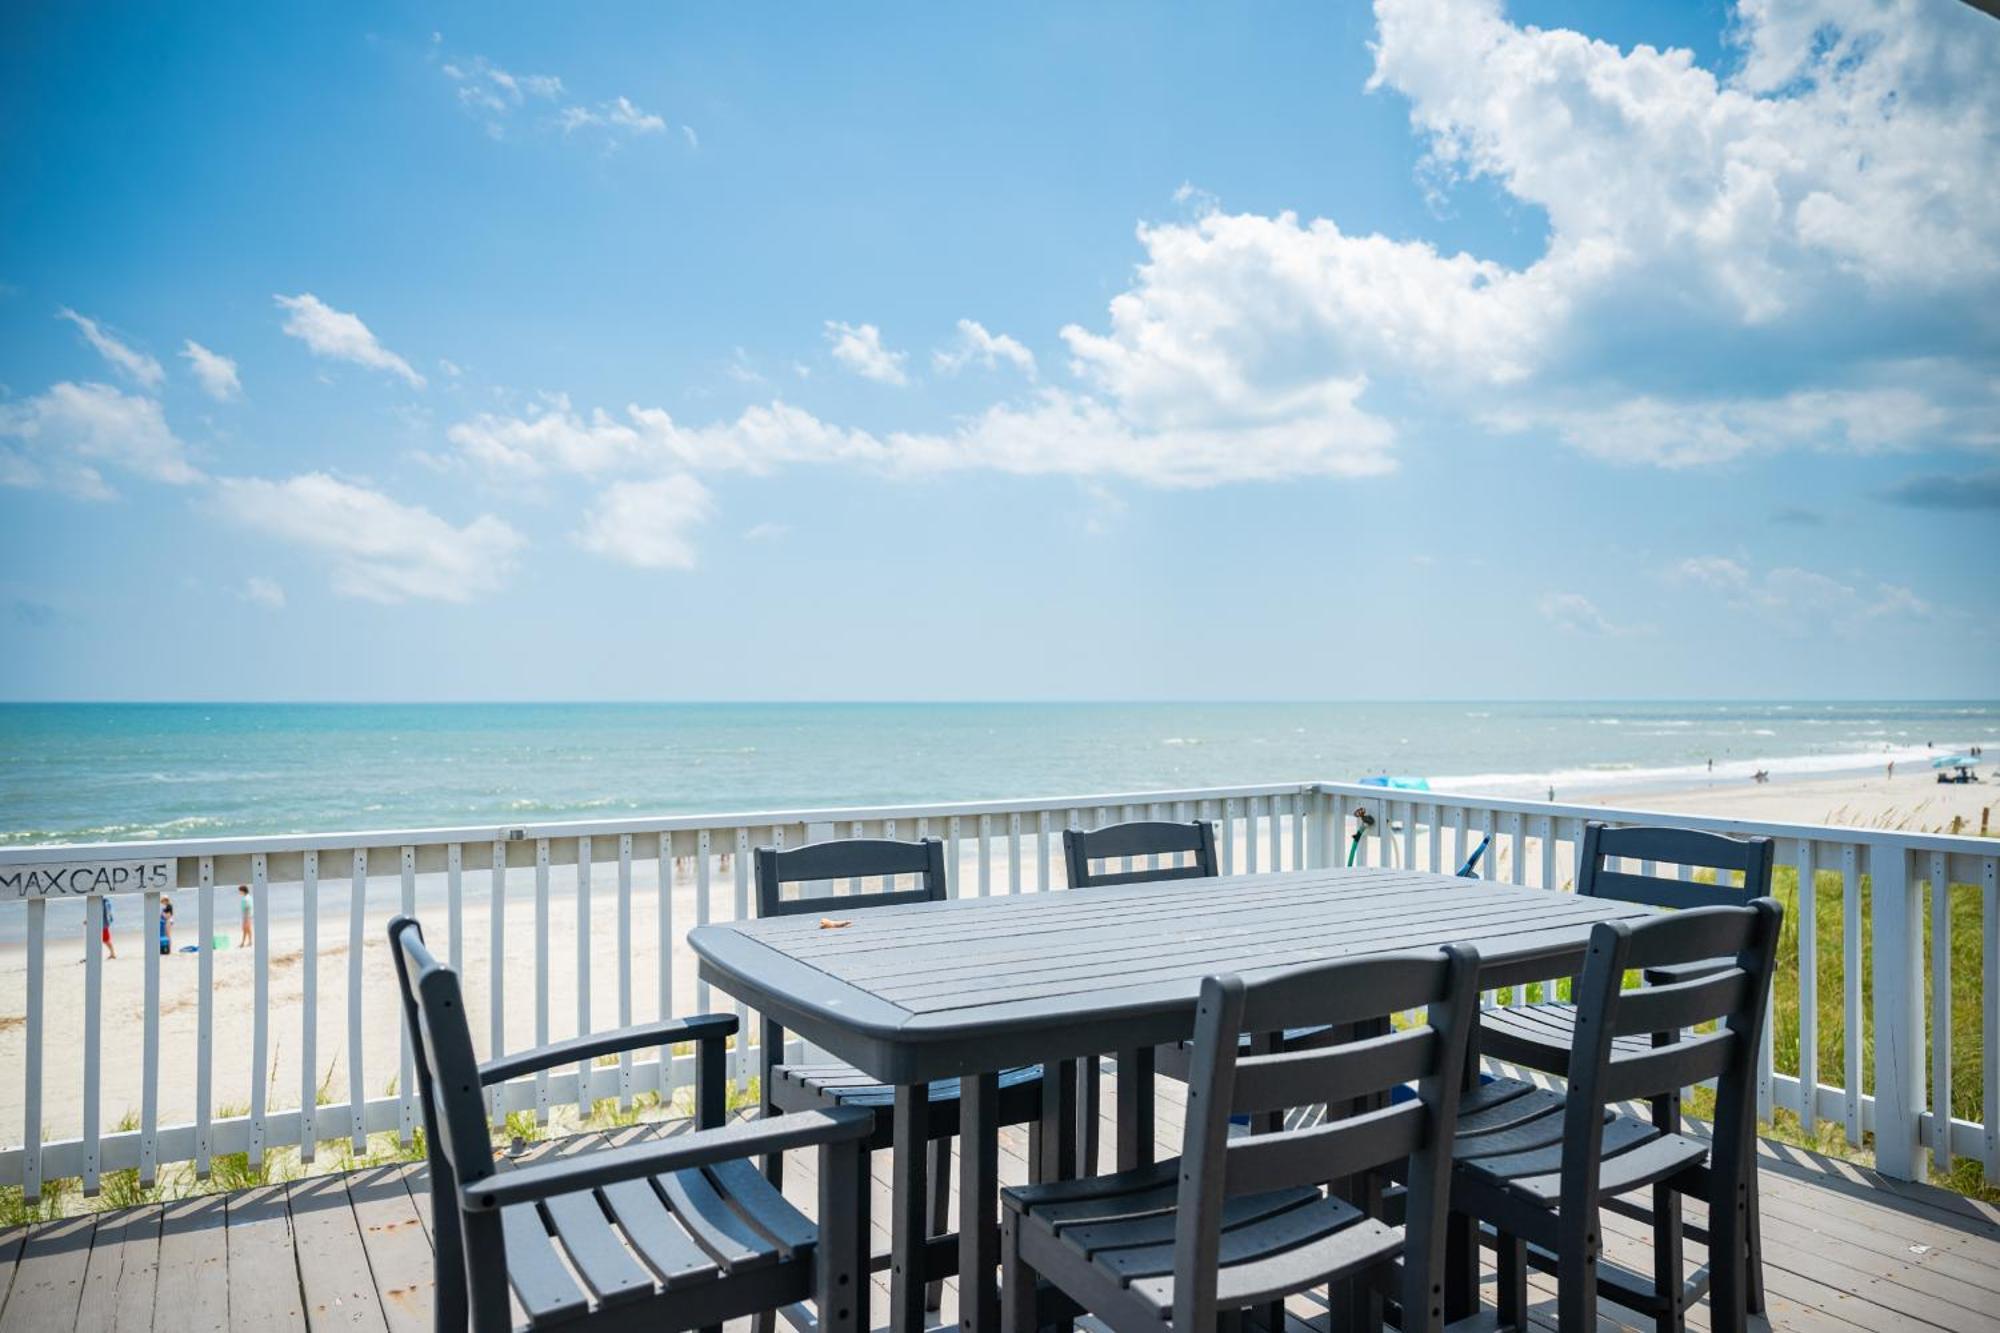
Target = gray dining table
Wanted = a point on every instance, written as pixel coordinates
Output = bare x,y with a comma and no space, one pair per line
967,988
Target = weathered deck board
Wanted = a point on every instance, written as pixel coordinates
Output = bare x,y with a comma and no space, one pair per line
263,1263
354,1252
48,1277
121,1284
192,1292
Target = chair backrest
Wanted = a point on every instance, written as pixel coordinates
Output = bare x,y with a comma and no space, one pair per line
1693,848
1744,942
849,858
1329,1067
456,1141
1146,837
454,1104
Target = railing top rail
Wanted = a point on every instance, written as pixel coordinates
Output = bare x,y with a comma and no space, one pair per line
269,843
1861,834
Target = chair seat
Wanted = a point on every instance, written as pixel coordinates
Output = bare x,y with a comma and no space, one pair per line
807,1087
1538,1036
1510,1139
1122,1227
580,1253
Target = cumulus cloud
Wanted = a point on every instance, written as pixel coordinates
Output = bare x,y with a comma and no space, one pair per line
65,436
859,348
487,89
376,548
647,524
215,372
1803,253
339,335
975,346
267,593
138,366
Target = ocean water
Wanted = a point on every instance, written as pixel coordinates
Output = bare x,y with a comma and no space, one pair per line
77,772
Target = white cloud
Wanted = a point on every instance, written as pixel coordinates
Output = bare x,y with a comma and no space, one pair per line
485,88
264,592
215,372
975,344
341,336
1799,599
617,114
693,139
859,348
141,368
65,433
1701,232
647,524
1576,614
378,549
765,532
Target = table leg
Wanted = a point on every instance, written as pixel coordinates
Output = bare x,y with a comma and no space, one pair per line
1135,1109
909,1208
1058,1126
978,1203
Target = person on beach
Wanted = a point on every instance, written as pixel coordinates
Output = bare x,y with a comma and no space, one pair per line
1892,770
243,896
110,951
166,925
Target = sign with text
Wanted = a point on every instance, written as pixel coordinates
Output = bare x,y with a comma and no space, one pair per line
76,879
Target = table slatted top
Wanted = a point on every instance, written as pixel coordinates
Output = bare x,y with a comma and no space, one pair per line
934,989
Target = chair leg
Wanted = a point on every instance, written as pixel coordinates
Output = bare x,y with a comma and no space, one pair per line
1090,1116
939,1211
1754,1228
1668,1283
1576,1272
1017,1282
1512,1296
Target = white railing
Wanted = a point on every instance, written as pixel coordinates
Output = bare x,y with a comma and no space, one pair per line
347,1071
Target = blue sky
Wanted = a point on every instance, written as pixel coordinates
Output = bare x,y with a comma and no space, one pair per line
1116,351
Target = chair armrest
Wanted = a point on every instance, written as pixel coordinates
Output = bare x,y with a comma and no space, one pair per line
703,1147
1677,972
696,1027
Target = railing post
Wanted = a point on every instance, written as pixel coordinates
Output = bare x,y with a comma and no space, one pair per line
1899,1014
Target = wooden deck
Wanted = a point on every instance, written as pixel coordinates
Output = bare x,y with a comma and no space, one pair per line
1845,1249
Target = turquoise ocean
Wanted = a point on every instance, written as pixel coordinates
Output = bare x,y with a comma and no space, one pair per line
89,772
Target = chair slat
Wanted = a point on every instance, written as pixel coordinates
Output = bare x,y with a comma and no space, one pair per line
1142,837
1333,1073
714,1224
1150,838
1157,1227
851,859
764,1206
1680,1005
1324,1152
1681,846
1668,1068
661,1241
547,1292
600,1258
1375,986
1328,1258
1254,1238
1657,892
1689,936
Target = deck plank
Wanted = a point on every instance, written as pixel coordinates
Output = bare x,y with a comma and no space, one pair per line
119,1287
398,1248
192,1293
338,1288
263,1263
48,1277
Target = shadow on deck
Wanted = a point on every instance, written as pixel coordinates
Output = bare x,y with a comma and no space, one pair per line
1845,1249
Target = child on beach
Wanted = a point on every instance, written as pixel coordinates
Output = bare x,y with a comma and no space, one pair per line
166,924
243,895
109,950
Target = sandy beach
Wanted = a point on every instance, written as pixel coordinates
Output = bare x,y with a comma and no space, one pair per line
1912,801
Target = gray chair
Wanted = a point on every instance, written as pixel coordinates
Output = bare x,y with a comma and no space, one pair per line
679,1232
1237,1223
1538,1165
1082,849
805,1087
1540,1036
